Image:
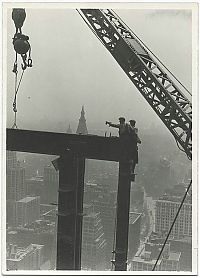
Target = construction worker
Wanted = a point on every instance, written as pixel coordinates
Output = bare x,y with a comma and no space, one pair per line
122,126
134,141
124,136
134,130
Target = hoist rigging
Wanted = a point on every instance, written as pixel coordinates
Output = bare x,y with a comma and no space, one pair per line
22,47
142,68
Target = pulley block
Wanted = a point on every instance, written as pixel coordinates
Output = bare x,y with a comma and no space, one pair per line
21,44
18,16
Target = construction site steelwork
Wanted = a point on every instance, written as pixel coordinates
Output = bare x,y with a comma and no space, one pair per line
153,83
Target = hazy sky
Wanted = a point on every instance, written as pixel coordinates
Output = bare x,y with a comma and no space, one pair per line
72,68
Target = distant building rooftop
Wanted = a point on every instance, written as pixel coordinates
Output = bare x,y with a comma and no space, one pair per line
17,253
86,205
144,256
175,199
37,178
27,199
154,236
185,239
12,232
91,184
174,256
92,214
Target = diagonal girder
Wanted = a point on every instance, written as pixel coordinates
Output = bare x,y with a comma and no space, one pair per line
166,99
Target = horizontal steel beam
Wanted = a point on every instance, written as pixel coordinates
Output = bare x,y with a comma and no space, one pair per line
88,146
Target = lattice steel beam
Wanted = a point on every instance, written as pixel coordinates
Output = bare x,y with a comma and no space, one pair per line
166,99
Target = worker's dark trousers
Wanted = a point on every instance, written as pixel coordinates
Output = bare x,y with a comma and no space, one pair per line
125,150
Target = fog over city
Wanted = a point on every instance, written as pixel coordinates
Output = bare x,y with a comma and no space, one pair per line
72,68
67,199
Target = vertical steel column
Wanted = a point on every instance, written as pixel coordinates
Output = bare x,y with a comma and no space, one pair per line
69,230
123,203
79,219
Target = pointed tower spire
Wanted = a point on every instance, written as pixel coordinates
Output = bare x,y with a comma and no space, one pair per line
82,111
82,128
69,130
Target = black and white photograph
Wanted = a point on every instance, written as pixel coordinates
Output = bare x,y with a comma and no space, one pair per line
99,165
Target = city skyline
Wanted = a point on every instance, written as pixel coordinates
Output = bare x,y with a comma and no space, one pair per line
86,193
100,200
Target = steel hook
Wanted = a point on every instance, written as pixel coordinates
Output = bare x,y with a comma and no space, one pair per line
30,62
24,66
15,68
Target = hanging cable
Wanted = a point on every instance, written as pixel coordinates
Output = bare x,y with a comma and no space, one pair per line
114,239
15,97
151,52
172,225
182,149
22,47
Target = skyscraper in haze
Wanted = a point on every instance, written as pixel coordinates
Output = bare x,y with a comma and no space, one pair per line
50,189
15,178
166,209
105,204
93,241
11,159
82,127
134,233
15,186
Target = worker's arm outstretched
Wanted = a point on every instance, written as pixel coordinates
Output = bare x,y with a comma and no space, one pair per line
112,125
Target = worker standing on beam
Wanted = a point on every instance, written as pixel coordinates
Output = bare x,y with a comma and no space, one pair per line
122,126
134,141
134,130
124,136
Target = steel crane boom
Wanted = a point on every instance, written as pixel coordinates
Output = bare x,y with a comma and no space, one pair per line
166,99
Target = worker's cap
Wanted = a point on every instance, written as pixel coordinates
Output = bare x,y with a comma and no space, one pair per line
132,121
121,119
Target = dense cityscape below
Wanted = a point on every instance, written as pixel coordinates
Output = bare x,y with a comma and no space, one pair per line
162,175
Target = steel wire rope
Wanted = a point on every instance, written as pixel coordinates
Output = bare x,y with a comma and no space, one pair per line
15,97
182,149
20,81
172,225
14,103
114,239
152,53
